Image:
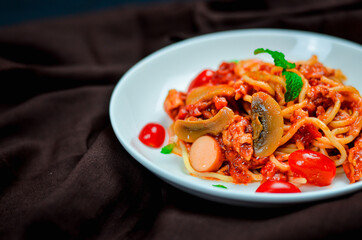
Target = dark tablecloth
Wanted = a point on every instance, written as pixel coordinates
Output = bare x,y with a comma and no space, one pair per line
63,173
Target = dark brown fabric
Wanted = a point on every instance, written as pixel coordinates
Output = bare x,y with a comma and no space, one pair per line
64,175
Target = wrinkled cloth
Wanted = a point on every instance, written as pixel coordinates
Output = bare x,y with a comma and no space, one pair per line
63,173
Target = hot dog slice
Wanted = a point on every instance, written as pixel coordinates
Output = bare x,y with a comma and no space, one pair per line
205,154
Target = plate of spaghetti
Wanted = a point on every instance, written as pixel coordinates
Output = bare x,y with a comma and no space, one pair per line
247,117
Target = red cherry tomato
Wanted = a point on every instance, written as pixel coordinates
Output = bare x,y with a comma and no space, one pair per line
152,135
277,187
317,168
202,79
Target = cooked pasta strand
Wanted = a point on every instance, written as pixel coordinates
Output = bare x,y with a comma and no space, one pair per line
324,107
318,123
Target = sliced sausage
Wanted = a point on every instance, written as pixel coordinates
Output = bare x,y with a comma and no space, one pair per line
205,154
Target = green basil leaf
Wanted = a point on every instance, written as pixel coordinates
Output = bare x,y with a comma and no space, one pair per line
168,148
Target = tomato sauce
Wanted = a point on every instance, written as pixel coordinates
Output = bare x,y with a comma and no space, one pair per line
236,139
306,134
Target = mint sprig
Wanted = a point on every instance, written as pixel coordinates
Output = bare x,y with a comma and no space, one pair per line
168,148
294,85
279,58
294,82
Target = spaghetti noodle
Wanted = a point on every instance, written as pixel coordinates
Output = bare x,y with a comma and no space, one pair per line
326,117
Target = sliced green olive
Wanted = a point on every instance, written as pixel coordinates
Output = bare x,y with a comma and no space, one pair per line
189,131
208,92
267,123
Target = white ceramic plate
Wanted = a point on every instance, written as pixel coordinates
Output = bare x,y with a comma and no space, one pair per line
138,99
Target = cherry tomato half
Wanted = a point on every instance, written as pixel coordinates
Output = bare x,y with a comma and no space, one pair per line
277,187
317,168
202,79
152,135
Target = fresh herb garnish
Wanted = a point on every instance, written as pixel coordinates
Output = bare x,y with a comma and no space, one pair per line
294,85
219,186
279,58
168,148
294,82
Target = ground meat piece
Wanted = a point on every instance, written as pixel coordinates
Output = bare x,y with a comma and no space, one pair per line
353,164
319,96
242,89
320,112
197,109
238,136
271,172
174,102
219,102
257,162
297,115
182,113
224,74
239,171
314,71
305,133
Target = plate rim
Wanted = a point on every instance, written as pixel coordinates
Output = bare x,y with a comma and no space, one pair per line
258,198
